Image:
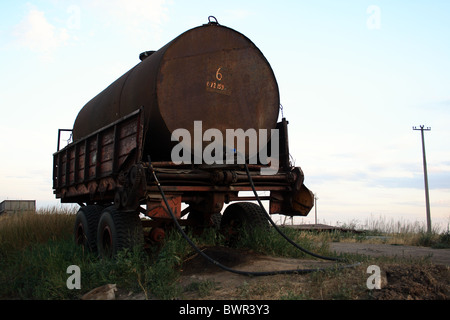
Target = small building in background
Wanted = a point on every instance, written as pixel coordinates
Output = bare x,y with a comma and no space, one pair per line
17,206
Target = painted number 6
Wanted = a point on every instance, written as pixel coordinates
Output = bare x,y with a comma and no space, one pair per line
218,74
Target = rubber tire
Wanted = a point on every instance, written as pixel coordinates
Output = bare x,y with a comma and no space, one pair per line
239,218
216,219
200,224
118,231
85,227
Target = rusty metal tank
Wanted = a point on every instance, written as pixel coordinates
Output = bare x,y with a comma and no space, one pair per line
210,73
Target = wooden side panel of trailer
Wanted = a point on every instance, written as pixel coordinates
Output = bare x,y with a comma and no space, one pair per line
82,167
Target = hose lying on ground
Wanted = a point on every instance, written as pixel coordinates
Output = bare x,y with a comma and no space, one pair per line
248,273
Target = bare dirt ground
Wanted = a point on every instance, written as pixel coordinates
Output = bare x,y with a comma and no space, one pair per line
429,280
407,273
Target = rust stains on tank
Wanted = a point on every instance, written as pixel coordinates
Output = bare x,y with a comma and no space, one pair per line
211,73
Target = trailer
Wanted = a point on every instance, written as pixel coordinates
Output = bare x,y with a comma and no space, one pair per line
122,154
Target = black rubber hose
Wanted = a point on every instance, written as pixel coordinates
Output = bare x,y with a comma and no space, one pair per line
215,262
278,229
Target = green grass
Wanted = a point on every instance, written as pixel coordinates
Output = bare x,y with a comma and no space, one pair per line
270,242
36,250
202,288
40,271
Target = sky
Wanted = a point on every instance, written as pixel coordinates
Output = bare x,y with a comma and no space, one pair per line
354,76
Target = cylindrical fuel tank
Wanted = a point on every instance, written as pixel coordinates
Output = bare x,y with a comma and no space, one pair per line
211,73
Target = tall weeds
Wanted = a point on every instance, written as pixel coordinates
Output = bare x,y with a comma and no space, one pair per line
36,250
18,231
270,242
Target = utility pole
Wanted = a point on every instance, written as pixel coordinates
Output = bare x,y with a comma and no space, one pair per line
315,206
427,197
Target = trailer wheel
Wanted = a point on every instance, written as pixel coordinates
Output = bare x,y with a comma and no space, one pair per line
239,218
117,231
85,228
216,219
199,223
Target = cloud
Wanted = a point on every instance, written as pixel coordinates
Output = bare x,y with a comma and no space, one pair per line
134,16
37,34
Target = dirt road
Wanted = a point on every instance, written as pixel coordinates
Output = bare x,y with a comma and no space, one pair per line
438,256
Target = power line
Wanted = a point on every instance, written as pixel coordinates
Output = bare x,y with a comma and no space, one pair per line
427,197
